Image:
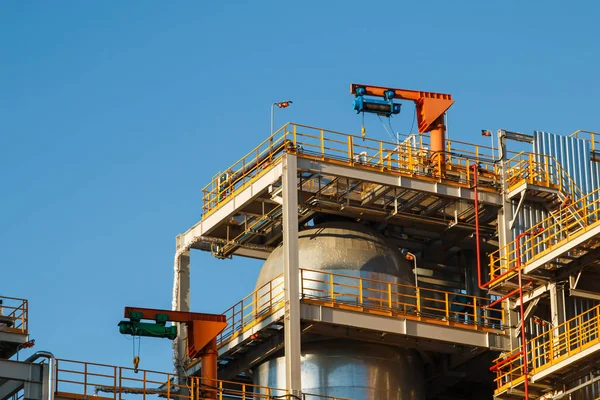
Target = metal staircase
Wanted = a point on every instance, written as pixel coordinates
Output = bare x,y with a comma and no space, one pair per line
570,231
568,235
552,357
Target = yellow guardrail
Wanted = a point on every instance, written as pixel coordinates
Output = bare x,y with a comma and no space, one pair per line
14,314
541,170
549,348
365,295
252,309
84,380
592,137
570,222
410,158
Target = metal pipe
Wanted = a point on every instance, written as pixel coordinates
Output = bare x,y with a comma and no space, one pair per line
501,363
477,240
208,374
521,307
436,142
410,256
272,118
51,358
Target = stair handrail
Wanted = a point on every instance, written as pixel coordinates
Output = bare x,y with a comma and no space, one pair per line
583,216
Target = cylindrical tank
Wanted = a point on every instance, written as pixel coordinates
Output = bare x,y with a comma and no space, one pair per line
346,368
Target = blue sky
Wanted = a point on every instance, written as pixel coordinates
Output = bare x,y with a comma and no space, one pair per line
114,115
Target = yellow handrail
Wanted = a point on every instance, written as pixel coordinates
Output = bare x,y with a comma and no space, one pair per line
352,150
549,348
77,379
589,136
364,295
14,314
542,170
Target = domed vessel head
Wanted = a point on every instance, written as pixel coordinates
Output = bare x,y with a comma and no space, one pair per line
346,368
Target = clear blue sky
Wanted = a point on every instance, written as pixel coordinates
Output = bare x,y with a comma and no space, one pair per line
114,115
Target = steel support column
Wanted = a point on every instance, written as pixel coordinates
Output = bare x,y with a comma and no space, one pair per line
557,305
505,216
291,275
181,302
32,376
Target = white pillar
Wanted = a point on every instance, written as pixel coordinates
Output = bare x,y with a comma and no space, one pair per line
505,235
557,306
181,302
291,275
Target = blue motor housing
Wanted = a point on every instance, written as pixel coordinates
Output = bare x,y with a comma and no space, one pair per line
379,107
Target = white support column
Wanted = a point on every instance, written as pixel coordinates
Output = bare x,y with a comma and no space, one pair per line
291,275
557,306
505,216
181,302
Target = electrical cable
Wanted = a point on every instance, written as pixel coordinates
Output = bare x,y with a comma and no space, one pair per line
413,121
396,134
386,129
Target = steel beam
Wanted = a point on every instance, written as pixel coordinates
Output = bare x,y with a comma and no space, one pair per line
32,376
591,232
567,363
291,275
9,388
586,294
231,206
534,294
557,305
505,216
399,326
389,179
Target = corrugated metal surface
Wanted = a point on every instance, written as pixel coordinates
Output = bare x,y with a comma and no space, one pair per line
573,154
528,216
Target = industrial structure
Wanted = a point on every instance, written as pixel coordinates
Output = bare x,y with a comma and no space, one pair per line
421,269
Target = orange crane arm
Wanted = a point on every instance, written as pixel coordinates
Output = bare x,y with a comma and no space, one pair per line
174,316
430,105
202,328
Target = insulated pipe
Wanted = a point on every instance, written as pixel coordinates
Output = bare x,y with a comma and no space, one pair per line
208,358
437,140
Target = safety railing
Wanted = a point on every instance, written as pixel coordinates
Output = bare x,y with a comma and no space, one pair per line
578,218
13,314
592,137
411,157
365,295
399,300
541,170
253,308
83,380
549,348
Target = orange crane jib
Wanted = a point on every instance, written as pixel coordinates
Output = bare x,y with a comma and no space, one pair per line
430,106
202,328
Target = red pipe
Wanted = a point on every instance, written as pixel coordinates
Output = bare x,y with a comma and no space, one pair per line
522,311
501,363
